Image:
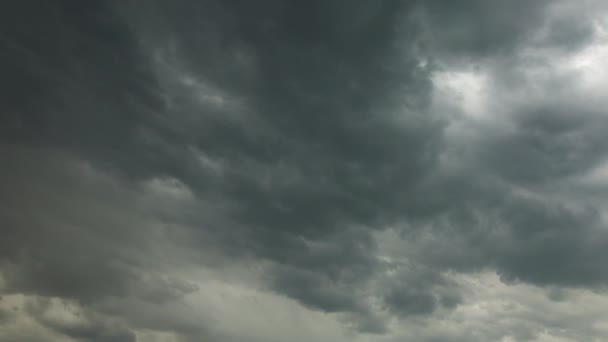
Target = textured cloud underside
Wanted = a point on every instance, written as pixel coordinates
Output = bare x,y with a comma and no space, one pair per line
303,170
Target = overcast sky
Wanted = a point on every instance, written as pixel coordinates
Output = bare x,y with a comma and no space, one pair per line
306,170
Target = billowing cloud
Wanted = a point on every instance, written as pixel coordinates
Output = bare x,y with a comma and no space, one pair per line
327,170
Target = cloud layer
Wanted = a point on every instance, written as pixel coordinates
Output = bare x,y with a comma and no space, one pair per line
322,170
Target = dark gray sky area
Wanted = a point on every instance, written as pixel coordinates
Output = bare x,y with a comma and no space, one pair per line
306,170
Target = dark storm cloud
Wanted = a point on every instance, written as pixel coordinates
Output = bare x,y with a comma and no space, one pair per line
552,133
333,134
535,240
473,28
72,77
328,81
327,274
309,127
46,248
512,209
515,204
477,30
71,232
419,291
549,143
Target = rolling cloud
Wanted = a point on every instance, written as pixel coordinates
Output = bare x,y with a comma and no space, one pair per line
292,171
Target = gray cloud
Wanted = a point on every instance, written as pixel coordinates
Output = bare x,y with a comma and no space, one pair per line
147,140
420,292
475,28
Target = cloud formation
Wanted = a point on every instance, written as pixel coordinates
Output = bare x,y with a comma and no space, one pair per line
282,170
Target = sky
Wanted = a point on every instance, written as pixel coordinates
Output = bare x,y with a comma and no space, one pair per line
320,170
